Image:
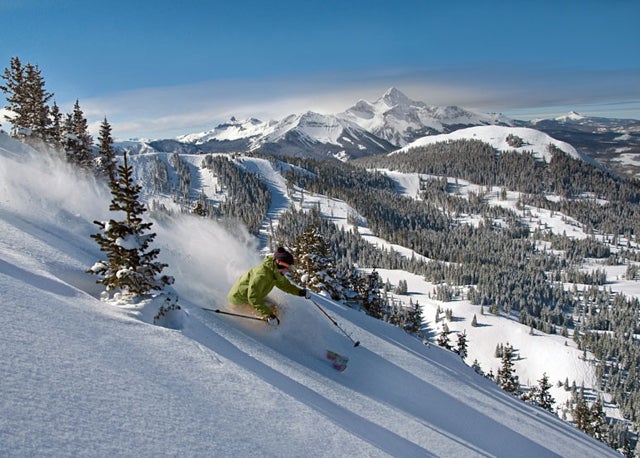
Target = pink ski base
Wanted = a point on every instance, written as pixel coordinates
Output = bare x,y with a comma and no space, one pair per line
338,362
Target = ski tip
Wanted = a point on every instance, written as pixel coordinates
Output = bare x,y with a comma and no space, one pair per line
338,361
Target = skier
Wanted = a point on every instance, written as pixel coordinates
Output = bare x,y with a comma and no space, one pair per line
254,285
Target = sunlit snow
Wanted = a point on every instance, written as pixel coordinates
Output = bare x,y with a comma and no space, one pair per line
84,377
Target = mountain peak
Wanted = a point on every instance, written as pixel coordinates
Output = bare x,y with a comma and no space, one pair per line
571,116
395,97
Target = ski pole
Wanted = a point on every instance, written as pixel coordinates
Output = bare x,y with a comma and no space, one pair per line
249,317
355,343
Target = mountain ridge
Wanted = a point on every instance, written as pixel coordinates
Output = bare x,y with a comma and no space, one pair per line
400,120
391,122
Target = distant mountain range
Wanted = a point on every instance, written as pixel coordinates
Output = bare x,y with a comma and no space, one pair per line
390,123
614,143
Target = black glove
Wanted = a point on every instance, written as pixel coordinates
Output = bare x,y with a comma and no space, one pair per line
304,293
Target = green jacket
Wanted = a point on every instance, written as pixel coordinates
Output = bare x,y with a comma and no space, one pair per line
254,285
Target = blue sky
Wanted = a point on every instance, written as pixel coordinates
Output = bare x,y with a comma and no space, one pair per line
163,68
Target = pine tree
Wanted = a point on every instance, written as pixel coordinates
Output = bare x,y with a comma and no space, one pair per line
130,265
506,377
462,344
543,397
443,337
369,290
315,266
27,101
580,412
598,421
402,287
106,159
77,141
38,99
414,320
56,134
15,89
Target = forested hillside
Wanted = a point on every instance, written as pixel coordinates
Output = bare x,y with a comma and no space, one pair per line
477,248
501,262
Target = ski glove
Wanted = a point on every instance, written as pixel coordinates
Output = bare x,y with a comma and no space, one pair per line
273,320
304,293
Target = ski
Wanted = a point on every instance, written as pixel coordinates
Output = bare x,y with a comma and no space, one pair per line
338,361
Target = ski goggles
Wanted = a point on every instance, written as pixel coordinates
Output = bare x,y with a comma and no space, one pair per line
289,268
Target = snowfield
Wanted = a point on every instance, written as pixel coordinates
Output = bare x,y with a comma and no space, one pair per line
535,141
85,377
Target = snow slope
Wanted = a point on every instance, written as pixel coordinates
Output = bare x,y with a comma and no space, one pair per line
82,377
535,141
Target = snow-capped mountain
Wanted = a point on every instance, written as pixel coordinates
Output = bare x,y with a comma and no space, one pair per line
592,122
321,136
228,131
305,135
401,120
394,121
364,129
571,116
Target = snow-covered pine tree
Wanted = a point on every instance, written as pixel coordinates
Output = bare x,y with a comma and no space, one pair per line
414,319
14,89
106,165
443,337
462,344
506,377
130,265
598,427
369,290
402,287
539,394
543,396
580,412
315,266
77,141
